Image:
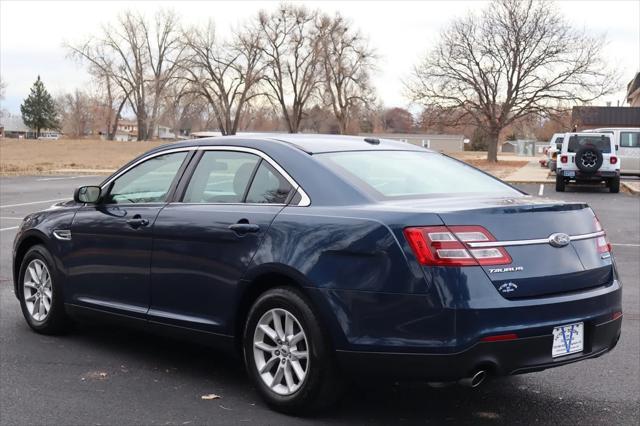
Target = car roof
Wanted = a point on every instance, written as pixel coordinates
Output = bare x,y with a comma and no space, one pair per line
309,143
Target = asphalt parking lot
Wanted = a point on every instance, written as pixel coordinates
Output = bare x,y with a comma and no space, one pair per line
103,375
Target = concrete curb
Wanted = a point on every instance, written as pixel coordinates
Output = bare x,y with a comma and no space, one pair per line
629,187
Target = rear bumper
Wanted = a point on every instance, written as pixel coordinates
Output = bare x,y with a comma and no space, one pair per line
500,358
595,177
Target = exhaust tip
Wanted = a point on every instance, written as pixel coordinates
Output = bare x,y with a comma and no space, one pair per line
475,380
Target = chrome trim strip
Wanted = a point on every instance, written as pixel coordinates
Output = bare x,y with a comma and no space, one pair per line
304,198
534,241
62,234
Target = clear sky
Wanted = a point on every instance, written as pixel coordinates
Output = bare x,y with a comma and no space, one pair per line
32,33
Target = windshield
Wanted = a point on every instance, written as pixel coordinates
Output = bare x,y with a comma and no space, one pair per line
411,174
600,142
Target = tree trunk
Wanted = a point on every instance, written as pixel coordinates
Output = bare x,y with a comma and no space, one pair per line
492,151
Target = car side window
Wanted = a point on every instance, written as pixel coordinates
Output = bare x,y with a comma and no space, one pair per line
629,139
268,186
148,182
221,177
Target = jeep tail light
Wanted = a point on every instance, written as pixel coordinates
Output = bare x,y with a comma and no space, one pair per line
564,159
613,160
601,242
452,246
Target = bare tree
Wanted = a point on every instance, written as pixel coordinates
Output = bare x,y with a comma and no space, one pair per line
113,90
75,110
291,53
226,74
516,57
140,58
347,63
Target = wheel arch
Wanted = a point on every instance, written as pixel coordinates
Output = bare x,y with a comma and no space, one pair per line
30,239
264,278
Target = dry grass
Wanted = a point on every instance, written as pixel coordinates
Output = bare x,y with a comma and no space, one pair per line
32,157
38,157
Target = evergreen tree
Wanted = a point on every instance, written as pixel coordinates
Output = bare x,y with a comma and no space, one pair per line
39,110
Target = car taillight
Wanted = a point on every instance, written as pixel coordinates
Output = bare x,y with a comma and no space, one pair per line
448,246
613,160
601,242
564,159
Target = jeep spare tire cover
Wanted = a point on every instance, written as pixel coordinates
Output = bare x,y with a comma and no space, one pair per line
589,159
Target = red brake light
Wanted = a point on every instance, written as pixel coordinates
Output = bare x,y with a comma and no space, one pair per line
448,246
564,159
613,160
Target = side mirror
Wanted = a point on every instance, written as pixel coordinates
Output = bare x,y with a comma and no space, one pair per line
87,194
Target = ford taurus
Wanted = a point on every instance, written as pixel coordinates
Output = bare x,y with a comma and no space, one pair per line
317,256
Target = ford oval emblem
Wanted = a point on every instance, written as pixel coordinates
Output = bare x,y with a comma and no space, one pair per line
559,239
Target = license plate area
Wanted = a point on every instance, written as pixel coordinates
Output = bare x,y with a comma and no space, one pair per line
569,173
567,339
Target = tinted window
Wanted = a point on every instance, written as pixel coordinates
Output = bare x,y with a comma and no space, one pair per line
558,142
629,139
148,182
268,186
221,177
411,174
577,142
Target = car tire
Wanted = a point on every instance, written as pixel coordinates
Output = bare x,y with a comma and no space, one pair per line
560,183
311,385
39,285
614,185
588,159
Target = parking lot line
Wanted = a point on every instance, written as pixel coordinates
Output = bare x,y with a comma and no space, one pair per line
63,178
9,228
541,190
625,244
10,218
32,202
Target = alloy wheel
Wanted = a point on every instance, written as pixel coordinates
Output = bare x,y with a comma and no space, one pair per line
37,290
281,351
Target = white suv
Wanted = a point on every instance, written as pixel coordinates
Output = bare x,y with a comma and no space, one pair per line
588,158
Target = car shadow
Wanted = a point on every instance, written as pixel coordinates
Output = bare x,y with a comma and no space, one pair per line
509,400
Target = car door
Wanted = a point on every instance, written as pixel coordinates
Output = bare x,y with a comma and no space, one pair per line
204,242
111,241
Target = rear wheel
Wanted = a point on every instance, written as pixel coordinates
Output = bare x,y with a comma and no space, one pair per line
287,354
40,292
560,183
614,184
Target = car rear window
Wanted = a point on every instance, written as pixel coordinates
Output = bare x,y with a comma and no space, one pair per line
600,142
409,174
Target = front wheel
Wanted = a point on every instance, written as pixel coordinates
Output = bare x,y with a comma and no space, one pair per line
287,354
40,292
560,182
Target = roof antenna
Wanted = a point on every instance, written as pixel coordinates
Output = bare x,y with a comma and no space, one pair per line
372,141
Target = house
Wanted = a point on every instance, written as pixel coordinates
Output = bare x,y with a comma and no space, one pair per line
13,127
164,132
591,117
633,91
440,143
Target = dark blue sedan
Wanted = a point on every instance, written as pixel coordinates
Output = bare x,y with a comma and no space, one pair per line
317,256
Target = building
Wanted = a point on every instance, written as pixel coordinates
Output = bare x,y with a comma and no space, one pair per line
12,126
440,143
633,91
524,147
592,117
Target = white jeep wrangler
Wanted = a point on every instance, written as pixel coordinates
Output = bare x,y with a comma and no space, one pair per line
588,158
